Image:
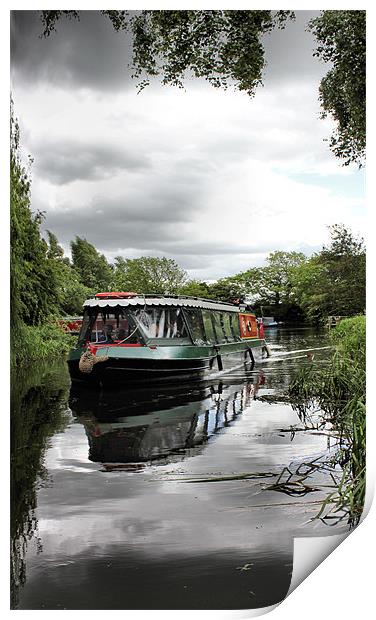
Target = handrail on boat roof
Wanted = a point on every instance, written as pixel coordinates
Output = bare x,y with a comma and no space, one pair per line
133,299
123,295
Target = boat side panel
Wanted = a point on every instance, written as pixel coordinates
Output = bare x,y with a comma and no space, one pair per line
129,366
171,353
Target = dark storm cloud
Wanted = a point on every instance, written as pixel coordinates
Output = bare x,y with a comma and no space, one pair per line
62,163
81,54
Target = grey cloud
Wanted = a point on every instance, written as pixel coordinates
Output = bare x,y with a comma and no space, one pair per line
70,161
136,220
81,54
121,227
107,230
291,47
188,250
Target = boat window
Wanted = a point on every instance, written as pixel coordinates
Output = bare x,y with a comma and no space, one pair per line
226,324
161,322
235,325
218,326
196,326
113,327
87,321
208,325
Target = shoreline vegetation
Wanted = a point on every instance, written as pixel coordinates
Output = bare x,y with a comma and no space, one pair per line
39,343
337,393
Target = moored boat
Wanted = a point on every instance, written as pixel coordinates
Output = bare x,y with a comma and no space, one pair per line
127,338
269,321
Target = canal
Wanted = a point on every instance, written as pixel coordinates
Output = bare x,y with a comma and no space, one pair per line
164,499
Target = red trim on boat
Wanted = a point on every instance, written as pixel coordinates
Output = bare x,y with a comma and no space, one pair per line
93,348
115,295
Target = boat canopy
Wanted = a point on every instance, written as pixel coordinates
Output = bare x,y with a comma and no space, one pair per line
181,302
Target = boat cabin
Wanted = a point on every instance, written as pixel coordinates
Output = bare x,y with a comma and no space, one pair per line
129,319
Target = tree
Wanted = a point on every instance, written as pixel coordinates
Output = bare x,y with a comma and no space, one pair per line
333,282
34,286
92,267
224,47
341,37
272,285
345,265
71,291
310,284
55,251
277,277
74,293
226,289
195,288
149,274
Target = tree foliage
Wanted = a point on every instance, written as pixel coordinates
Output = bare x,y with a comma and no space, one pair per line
91,266
195,288
71,290
224,47
272,284
276,281
149,274
34,286
333,282
341,37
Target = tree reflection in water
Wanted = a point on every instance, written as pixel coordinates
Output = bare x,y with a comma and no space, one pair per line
39,409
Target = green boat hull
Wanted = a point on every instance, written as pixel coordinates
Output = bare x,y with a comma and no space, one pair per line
128,366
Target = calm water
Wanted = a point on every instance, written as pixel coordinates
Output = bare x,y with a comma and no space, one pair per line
159,500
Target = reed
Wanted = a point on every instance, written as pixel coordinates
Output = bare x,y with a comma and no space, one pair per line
337,393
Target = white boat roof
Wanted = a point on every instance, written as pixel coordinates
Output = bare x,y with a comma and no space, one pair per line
161,301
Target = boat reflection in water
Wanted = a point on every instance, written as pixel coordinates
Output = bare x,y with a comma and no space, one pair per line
126,428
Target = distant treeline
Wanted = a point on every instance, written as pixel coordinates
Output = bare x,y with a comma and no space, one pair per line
291,286
46,284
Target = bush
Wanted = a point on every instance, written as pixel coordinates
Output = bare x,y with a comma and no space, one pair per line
38,343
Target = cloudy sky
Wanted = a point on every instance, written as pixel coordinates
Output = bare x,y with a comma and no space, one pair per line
213,179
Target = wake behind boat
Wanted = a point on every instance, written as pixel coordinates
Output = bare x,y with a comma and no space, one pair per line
127,338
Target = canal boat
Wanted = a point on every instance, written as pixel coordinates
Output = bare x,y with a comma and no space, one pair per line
128,338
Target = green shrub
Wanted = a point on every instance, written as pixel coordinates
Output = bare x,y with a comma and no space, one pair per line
38,343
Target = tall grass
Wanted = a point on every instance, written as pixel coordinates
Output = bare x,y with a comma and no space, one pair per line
31,344
338,391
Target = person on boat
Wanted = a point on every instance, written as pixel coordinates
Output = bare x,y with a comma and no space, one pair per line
107,334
